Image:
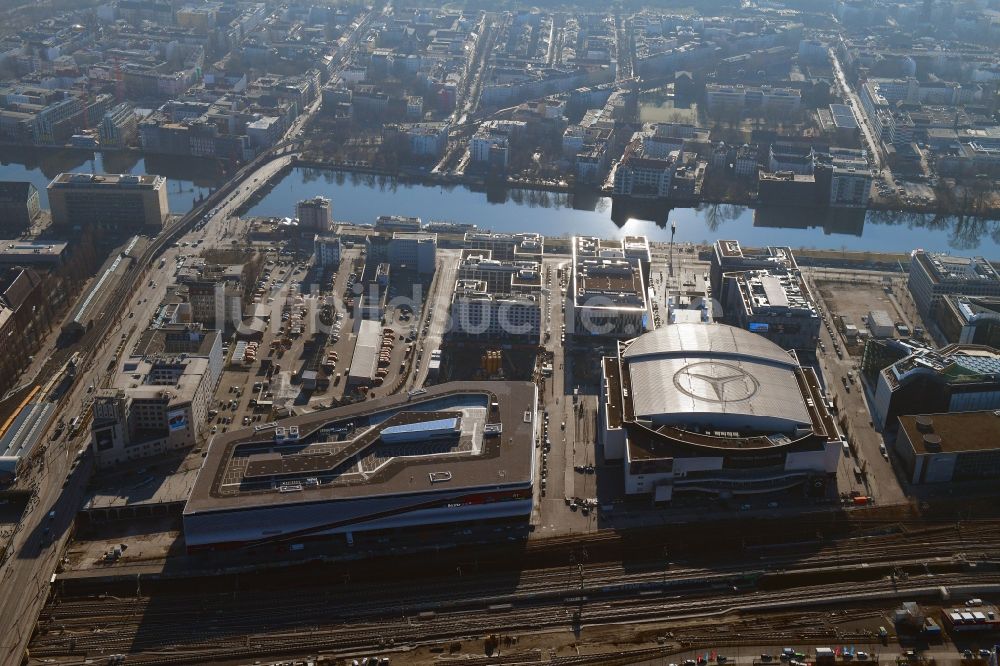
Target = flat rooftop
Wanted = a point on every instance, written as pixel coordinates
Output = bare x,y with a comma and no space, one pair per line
953,432
18,249
843,116
971,308
143,489
176,339
620,282
764,290
731,250
947,268
958,363
340,455
107,180
602,269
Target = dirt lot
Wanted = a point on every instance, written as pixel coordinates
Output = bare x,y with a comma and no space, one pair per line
855,298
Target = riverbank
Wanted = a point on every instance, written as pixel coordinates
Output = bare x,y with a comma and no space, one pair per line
423,176
362,194
205,174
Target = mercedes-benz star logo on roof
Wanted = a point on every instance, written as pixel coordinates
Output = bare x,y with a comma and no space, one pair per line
715,381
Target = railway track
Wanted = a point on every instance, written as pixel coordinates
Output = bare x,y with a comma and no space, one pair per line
362,616
226,637
499,590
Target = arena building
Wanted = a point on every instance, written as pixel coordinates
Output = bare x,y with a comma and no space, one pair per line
714,409
455,453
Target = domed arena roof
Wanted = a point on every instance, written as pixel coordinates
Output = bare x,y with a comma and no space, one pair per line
714,376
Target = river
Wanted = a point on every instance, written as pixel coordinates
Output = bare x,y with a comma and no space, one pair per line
361,198
187,178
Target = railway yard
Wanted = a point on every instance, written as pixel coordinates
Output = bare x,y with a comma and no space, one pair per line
765,593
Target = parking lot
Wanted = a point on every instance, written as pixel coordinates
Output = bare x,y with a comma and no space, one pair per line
308,319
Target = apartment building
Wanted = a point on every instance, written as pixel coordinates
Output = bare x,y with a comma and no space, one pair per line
315,214
327,250
119,127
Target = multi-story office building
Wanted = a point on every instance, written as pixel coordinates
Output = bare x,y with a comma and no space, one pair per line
949,448
409,251
957,378
502,277
608,290
38,253
729,257
216,303
159,399
496,298
850,188
737,100
774,305
968,320
507,247
214,292
932,276
25,319
479,313
392,223
109,202
315,214
878,99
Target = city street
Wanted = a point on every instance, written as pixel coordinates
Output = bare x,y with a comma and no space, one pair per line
855,102
33,563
